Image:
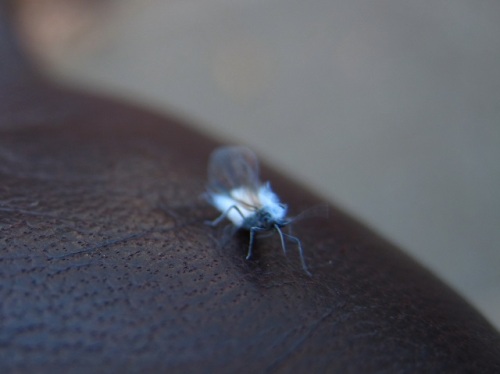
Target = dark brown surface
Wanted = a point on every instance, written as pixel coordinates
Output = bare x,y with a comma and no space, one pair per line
105,262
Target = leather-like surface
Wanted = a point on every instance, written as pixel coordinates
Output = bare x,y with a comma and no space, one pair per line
106,265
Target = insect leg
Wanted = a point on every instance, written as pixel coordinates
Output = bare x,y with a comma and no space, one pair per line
253,230
216,221
283,245
301,251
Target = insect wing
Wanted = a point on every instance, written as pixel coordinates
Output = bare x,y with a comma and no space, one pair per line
233,167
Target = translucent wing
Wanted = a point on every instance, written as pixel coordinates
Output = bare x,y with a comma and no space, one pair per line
233,167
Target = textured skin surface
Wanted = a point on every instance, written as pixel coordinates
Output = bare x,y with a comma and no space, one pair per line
106,265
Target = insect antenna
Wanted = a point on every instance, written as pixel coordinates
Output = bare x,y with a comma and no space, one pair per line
320,210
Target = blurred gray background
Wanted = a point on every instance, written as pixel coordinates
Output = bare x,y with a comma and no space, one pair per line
391,109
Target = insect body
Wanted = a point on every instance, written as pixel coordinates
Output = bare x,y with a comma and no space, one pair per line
235,190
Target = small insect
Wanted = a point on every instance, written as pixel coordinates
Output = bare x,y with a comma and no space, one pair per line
234,188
